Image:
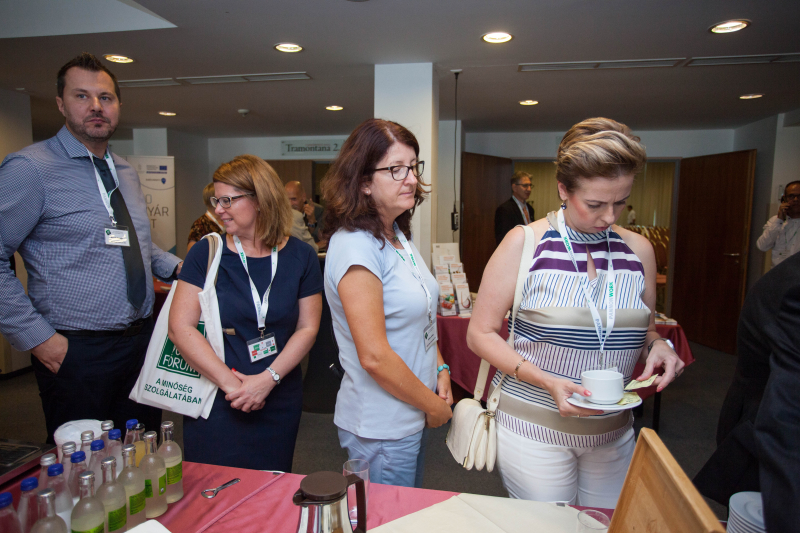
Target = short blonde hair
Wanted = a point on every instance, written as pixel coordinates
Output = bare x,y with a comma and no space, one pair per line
252,174
208,192
598,147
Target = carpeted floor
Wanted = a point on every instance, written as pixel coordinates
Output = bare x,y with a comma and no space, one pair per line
689,411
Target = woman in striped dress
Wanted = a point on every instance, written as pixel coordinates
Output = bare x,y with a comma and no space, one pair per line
547,448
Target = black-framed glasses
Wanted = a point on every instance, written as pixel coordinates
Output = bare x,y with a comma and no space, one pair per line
226,201
400,172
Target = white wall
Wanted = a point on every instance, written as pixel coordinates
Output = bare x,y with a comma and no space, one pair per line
122,147
149,141
445,176
191,176
786,166
16,131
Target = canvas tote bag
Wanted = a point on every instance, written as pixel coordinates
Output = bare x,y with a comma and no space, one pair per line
166,379
472,438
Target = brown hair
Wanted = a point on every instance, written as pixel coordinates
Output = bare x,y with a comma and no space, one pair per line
347,206
208,192
86,61
598,147
518,175
252,174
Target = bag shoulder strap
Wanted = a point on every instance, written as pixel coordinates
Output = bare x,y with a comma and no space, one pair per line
213,245
528,250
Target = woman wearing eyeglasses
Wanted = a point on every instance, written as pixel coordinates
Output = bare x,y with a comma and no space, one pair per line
269,291
383,304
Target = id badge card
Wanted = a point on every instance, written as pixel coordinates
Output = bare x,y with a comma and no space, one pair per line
262,347
431,335
116,235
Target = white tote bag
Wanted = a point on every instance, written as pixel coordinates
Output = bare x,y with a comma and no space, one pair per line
166,380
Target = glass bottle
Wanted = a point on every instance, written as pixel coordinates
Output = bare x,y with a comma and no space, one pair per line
132,479
173,458
67,449
27,510
86,444
138,441
49,521
78,461
89,515
130,425
57,482
105,427
114,448
46,460
9,521
155,478
112,494
98,454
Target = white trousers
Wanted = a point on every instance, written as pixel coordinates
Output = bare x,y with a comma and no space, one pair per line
591,477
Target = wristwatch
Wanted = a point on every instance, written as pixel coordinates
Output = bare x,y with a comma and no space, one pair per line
275,375
669,343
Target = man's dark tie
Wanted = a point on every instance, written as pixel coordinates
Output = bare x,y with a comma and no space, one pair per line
131,255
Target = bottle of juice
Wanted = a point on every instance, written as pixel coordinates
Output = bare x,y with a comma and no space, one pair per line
113,496
133,481
114,448
138,441
89,515
67,449
155,478
106,426
98,454
86,444
49,521
57,482
9,521
46,460
78,461
28,510
130,426
173,458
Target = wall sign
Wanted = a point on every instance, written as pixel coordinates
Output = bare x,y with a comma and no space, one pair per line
315,147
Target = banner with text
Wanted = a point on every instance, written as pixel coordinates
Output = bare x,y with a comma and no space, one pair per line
157,177
317,147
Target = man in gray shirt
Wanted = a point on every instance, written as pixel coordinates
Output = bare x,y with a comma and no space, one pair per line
77,216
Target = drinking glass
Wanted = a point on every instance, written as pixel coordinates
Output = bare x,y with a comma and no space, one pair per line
360,468
590,521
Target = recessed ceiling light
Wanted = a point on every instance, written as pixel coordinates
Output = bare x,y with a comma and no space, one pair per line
334,108
497,37
528,102
167,113
288,47
729,26
750,96
116,58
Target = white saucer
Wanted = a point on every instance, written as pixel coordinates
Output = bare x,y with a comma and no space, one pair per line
579,401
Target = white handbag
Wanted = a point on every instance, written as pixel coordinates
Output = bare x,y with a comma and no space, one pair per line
166,380
472,438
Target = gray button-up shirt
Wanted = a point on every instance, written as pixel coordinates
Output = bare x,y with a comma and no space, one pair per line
51,212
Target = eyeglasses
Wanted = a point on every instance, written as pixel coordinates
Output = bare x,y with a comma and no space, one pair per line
226,201
400,172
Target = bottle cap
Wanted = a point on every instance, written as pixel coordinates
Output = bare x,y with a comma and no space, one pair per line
78,457
167,425
130,424
44,495
115,434
98,445
55,470
68,447
150,435
29,483
87,435
86,478
48,459
107,425
5,499
129,449
108,462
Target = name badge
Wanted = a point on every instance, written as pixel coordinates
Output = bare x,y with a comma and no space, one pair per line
262,347
116,236
431,335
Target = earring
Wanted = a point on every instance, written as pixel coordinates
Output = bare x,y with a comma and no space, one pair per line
564,204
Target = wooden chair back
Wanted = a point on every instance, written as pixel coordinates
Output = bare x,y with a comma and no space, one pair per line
658,497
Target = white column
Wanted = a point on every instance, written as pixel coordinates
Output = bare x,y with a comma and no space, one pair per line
409,95
150,141
450,132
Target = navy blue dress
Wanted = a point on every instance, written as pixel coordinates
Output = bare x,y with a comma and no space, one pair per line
263,439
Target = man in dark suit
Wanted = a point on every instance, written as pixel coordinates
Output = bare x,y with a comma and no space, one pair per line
516,210
759,425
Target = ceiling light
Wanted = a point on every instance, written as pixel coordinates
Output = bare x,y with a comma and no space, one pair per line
497,37
167,113
729,26
334,108
528,102
116,58
750,96
288,47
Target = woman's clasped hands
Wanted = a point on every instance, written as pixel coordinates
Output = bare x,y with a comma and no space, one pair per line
253,391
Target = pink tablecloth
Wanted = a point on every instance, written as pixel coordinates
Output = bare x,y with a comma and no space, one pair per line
464,364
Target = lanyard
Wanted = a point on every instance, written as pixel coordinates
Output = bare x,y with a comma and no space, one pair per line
104,194
611,299
261,306
416,269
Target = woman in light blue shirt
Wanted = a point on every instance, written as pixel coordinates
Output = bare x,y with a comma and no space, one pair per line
383,303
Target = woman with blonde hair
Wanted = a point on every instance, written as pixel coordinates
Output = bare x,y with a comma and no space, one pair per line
268,287
583,267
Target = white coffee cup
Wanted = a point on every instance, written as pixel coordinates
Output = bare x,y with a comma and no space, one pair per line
605,385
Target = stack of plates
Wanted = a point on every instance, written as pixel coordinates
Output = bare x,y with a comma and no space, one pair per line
745,513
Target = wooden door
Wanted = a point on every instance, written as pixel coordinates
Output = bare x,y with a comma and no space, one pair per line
485,184
715,199
295,170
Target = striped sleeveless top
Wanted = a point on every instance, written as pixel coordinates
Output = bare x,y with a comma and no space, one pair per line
555,332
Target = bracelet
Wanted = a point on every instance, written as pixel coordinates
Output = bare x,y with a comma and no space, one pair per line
517,369
443,367
669,343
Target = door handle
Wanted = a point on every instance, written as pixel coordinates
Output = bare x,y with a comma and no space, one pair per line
731,255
